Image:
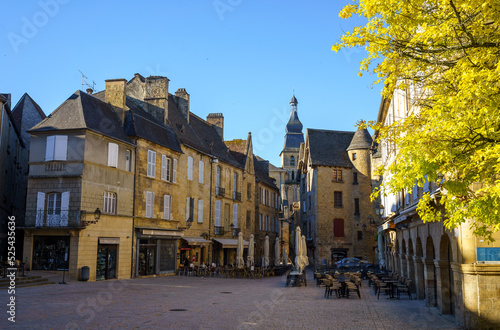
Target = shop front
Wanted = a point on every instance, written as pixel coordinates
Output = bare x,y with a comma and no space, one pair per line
196,248
50,252
156,251
225,251
107,253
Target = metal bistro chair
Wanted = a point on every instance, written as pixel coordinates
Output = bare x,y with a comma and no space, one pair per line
404,288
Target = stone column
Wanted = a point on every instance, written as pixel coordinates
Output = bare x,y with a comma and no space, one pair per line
443,286
410,264
381,258
404,271
419,278
429,278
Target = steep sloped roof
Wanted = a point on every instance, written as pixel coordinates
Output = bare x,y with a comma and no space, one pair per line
83,111
361,140
328,148
262,171
18,110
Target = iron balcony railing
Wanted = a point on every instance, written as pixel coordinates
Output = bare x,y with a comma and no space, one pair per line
219,191
236,231
58,219
219,230
237,196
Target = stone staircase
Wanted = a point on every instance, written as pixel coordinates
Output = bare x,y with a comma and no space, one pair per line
22,282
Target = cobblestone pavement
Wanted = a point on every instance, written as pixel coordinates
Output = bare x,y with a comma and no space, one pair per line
211,303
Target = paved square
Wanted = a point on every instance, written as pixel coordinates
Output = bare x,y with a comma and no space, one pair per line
178,302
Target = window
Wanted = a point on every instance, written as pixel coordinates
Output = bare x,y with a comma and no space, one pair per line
189,208
128,155
151,163
249,191
338,227
354,178
260,222
54,207
200,210
360,235
414,193
337,198
235,215
165,168
217,180
310,203
235,185
112,154
217,213
337,175
109,203
249,218
150,197
190,168
292,161
201,171
56,148
167,203
356,206
353,156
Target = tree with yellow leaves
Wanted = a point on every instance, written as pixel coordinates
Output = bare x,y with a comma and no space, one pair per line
450,50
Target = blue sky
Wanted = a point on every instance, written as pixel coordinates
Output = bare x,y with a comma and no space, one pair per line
239,57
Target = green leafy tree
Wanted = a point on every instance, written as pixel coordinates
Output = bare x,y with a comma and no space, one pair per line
449,50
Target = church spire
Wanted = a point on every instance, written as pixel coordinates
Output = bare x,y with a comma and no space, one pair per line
294,125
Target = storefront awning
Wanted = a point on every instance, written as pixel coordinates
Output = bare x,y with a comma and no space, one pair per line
196,240
229,243
160,233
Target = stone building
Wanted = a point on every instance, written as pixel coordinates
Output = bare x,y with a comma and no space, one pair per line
452,270
81,170
336,212
166,187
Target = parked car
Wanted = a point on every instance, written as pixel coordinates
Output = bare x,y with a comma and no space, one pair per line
348,262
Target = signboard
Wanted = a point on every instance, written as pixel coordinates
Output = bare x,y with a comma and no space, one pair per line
486,254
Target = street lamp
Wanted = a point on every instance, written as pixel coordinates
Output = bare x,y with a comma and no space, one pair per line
379,209
97,214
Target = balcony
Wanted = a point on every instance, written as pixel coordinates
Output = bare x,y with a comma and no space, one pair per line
219,230
219,191
56,219
235,231
237,196
55,167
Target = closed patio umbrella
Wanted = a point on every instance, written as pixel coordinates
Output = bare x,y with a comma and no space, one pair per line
239,251
305,259
298,250
285,258
251,248
277,252
266,252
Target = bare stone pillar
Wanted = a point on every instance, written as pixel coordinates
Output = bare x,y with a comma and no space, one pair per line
429,278
419,278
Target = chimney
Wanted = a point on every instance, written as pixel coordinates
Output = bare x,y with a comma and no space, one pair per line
90,91
115,95
217,119
156,98
182,98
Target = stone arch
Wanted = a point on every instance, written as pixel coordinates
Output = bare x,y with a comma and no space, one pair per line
430,273
445,277
419,270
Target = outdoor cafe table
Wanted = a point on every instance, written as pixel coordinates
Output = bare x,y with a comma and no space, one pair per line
392,284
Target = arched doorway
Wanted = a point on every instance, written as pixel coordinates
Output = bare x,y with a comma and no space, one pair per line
445,280
419,270
430,273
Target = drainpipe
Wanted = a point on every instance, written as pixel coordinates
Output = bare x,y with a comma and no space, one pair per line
210,250
132,268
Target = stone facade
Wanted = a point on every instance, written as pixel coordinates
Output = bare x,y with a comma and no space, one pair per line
336,213
444,265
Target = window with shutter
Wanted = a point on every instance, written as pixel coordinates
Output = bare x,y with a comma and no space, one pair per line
174,171
150,204
64,209
164,167
151,163
61,147
49,148
40,209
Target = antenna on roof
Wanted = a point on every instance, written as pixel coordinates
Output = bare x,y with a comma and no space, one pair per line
85,82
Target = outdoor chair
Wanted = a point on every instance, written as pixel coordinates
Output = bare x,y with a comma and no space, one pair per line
319,279
353,287
383,286
404,288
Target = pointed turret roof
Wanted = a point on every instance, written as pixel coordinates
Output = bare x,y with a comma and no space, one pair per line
361,140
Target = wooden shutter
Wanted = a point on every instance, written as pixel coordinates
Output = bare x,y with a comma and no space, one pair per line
201,171
150,196
112,154
338,227
188,208
190,168
49,148
64,209
235,215
174,171
61,147
40,209
200,210
166,207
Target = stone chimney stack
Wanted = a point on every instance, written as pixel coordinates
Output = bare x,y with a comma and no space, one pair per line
156,97
90,91
116,95
182,98
217,119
